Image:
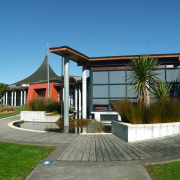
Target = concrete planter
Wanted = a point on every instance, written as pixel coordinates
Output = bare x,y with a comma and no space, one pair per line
37,116
138,132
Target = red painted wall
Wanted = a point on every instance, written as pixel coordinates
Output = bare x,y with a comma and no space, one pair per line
32,91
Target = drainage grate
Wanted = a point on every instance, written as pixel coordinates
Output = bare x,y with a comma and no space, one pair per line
47,162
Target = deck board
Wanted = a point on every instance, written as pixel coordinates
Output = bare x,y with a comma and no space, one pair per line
116,150
121,148
66,154
92,154
86,153
108,147
105,154
99,155
81,146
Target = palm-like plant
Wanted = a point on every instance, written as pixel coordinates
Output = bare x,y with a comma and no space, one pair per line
161,91
143,77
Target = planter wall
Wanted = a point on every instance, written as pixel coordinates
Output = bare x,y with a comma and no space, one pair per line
37,116
137,132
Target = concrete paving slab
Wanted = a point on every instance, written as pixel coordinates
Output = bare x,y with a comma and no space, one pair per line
136,172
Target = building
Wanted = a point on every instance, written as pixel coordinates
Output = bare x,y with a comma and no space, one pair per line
36,85
108,81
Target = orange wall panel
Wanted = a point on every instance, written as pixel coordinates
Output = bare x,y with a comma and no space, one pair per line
32,91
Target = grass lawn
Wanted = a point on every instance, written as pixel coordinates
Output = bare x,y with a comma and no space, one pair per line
17,161
4,115
167,171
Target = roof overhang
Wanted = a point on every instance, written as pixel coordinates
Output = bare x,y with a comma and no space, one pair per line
113,58
83,60
74,55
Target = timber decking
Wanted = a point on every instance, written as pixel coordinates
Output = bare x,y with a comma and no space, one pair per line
108,147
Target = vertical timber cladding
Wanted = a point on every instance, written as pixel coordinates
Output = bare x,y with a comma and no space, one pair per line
109,84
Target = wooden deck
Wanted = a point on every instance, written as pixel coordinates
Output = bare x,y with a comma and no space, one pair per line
108,147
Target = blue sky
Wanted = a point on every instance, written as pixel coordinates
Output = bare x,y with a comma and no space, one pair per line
93,27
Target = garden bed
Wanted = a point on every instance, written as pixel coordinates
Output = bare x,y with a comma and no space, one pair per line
6,112
138,132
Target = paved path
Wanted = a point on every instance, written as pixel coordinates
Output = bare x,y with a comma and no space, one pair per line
27,137
102,156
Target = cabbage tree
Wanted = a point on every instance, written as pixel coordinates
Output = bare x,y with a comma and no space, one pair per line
143,77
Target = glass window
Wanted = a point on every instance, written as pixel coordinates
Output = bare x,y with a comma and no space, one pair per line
100,91
129,74
117,77
131,92
100,77
172,74
161,74
101,105
117,91
101,101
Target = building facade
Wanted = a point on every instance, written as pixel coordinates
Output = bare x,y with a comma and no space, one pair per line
109,79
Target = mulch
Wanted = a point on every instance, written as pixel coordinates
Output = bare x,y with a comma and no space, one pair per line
7,112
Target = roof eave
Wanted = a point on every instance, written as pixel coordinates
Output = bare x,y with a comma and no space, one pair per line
73,54
83,60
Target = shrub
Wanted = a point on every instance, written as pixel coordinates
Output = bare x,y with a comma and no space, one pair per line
79,122
161,90
130,112
163,111
94,127
6,108
160,111
44,104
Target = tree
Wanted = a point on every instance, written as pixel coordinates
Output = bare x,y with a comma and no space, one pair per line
3,88
143,77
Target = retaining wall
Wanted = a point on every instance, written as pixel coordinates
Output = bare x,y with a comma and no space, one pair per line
37,116
137,132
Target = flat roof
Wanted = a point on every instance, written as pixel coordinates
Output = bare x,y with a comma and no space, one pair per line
82,59
74,55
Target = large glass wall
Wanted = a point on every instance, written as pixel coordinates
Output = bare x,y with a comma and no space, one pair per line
110,84
113,83
173,76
